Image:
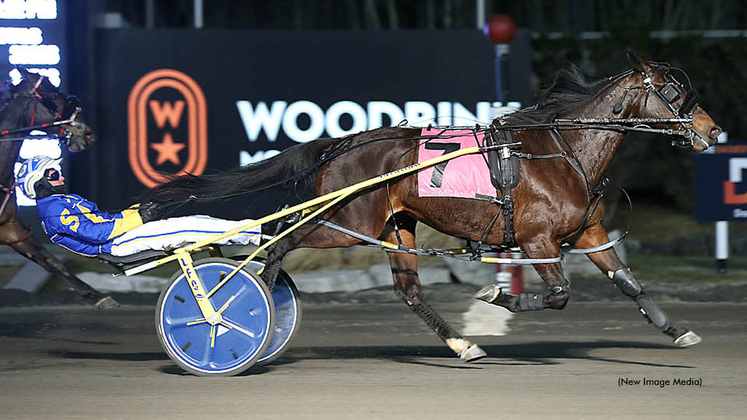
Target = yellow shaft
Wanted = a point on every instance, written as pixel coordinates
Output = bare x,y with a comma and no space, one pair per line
195,284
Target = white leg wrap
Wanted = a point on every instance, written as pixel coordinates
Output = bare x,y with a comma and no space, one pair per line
459,345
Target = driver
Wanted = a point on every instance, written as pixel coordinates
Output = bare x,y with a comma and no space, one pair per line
77,224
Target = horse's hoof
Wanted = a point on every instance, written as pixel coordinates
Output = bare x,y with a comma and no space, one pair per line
687,339
473,353
488,293
556,300
107,303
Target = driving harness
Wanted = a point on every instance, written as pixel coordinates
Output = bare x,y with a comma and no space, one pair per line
504,157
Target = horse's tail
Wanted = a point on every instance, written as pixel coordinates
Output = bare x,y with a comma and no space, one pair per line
290,167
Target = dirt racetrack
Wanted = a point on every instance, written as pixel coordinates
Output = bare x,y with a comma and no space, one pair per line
365,356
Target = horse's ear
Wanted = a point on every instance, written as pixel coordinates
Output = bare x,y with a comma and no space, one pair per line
25,74
637,62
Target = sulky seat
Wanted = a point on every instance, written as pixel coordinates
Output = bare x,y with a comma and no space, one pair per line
128,261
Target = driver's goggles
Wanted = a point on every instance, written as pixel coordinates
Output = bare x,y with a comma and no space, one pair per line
52,174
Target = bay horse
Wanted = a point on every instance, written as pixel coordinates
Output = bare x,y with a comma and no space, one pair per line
36,104
556,201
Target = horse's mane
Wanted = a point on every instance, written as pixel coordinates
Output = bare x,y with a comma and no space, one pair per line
570,90
7,92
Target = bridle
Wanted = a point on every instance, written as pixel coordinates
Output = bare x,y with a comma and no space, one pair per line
668,92
671,91
66,118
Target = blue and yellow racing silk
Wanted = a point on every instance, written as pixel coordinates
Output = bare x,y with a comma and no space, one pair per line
78,225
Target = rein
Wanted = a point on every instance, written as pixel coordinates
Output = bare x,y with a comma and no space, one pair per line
64,136
611,124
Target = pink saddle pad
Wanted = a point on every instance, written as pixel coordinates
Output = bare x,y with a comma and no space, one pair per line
466,176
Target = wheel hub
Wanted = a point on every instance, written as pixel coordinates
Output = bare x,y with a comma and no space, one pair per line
215,319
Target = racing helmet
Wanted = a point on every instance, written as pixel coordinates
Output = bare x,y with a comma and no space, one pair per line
32,171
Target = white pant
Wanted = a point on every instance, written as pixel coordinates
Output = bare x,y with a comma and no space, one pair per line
176,232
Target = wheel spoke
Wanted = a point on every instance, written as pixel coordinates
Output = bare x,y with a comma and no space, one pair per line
187,320
196,322
241,296
240,292
225,305
237,327
207,355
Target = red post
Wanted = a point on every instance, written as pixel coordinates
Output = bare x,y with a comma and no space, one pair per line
517,276
510,276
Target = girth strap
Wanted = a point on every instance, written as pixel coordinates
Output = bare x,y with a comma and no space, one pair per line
509,238
505,175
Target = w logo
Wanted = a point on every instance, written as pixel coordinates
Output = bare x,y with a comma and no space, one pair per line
167,111
167,121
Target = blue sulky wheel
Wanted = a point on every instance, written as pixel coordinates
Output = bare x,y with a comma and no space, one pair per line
287,312
233,345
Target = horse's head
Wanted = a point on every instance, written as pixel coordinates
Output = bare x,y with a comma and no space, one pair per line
665,97
47,107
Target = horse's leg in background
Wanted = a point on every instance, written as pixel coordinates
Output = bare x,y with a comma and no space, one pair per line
551,274
13,233
311,236
623,279
407,287
275,255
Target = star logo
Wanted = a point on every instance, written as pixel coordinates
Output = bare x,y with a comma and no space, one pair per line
168,150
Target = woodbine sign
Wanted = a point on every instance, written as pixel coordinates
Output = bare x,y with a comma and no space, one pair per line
265,91
348,117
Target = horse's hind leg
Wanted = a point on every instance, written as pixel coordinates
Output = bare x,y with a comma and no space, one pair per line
623,279
275,255
407,287
20,239
551,274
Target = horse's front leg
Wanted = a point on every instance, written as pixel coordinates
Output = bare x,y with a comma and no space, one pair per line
551,274
407,287
623,279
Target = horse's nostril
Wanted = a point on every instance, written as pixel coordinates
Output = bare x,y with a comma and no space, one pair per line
715,131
